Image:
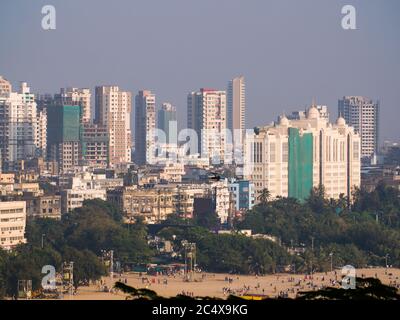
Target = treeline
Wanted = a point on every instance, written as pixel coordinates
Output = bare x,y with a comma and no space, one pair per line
367,232
232,253
79,237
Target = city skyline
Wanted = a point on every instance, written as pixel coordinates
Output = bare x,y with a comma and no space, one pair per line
283,70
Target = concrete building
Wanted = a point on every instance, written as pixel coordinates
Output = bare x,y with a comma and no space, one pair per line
95,143
290,157
236,105
155,204
113,108
243,194
45,206
64,133
206,115
12,224
145,124
18,123
363,114
78,187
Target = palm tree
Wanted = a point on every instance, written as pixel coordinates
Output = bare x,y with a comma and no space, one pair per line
264,196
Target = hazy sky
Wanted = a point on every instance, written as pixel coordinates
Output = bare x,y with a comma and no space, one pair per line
289,51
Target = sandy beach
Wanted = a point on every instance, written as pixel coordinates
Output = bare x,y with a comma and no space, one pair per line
221,285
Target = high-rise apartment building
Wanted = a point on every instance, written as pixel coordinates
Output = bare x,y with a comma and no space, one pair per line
18,125
166,120
236,104
113,108
206,115
145,124
362,114
95,145
291,157
64,133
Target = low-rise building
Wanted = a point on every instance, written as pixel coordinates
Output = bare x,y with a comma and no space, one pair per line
46,206
243,194
74,198
12,223
156,203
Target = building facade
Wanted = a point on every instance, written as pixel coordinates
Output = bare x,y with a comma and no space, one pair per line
113,108
206,115
44,206
145,124
12,223
18,125
155,204
236,109
291,157
64,134
363,114
243,194
95,144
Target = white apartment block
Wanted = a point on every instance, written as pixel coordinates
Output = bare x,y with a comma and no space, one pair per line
18,125
86,186
113,108
236,110
291,157
145,125
362,114
206,115
12,224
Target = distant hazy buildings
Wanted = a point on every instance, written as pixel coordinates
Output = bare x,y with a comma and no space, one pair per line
145,124
362,114
113,108
291,157
166,119
206,115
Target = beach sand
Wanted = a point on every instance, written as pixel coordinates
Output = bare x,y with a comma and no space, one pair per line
212,284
